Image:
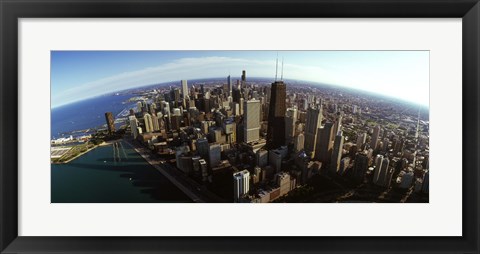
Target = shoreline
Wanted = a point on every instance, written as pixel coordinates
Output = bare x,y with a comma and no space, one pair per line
76,156
107,143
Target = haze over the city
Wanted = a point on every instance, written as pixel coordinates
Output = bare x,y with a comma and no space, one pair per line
78,75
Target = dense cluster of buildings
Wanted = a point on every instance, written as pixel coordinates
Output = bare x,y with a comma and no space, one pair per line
255,142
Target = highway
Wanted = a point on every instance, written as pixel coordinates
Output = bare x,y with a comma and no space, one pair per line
197,192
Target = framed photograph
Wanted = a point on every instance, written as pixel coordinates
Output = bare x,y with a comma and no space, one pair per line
226,126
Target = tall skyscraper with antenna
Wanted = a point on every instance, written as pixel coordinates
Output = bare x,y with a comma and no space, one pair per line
276,114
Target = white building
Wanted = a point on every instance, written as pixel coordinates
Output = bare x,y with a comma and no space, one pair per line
148,122
184,88
133,126
241,184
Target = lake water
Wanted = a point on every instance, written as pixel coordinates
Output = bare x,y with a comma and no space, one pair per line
96,177
86,114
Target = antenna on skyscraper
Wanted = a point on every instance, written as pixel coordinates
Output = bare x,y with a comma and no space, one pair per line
281,77
276,68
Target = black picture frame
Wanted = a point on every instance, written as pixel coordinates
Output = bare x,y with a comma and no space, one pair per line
11,11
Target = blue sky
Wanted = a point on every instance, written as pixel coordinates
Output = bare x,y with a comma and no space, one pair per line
77,75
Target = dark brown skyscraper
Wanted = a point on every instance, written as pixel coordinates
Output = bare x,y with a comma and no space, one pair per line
276,115
110,122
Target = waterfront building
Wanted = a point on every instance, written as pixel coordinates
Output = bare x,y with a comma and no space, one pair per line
133,126
251,121
110,123
148,122
276,115
314,121
241,184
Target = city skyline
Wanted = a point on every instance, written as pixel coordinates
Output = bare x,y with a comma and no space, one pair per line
245,140
79,75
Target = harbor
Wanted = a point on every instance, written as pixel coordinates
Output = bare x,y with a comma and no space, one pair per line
99,176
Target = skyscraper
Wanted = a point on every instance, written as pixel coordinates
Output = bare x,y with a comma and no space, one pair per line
276,115
378,166
314,121
323,148
375,136
156,126
337,152
299,142
236,95
338,123
290,121
148,122
382,172
110,122
251,120
361,139
229,83
214,151
241,184
176,97
184,88
360,167
133,126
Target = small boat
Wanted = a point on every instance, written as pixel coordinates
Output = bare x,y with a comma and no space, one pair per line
104,161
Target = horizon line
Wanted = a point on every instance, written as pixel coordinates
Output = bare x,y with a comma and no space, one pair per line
163,83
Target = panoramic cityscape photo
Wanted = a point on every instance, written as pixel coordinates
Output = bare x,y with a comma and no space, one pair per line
239,126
